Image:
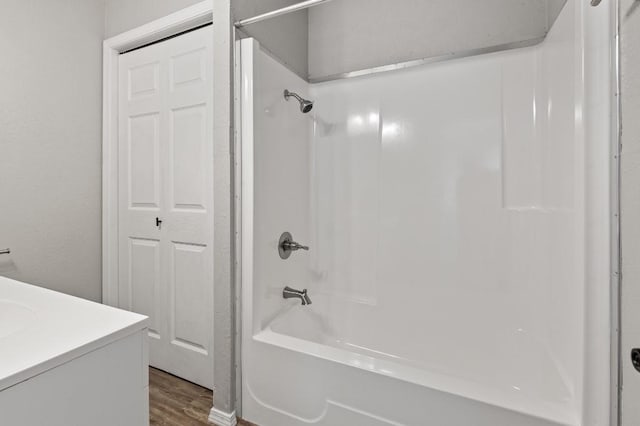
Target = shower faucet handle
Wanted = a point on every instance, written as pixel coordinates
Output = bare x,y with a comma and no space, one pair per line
293,246
286,245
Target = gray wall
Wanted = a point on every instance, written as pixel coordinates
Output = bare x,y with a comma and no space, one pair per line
630,64
285,36
123,15
349,35
51,143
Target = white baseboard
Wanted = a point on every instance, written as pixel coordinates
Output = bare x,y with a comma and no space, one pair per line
220,418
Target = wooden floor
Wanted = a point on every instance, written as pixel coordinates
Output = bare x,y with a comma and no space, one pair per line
176,402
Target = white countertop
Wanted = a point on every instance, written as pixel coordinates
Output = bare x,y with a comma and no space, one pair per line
41,329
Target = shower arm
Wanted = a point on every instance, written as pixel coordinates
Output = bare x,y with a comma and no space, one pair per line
295,95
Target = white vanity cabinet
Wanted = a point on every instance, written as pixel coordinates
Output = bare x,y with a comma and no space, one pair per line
65,361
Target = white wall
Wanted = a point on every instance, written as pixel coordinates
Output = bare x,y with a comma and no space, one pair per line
630,63
348,35
50,143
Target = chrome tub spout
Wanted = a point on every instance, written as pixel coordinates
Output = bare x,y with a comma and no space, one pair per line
292,293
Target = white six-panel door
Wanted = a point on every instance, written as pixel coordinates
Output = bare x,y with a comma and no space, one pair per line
166,199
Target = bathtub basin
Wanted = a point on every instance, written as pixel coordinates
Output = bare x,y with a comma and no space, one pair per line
302,335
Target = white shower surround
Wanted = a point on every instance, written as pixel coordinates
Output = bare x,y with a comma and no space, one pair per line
447,209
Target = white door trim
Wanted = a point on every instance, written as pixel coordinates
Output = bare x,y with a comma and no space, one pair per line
183,20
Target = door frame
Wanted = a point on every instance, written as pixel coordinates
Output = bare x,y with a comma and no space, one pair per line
186,19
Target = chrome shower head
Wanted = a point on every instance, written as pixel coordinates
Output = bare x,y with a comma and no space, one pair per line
305,105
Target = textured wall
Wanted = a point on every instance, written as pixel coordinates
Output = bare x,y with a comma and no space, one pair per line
51,143
224,377
630,64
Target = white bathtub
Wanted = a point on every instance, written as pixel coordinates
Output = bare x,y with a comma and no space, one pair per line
65,360
453,365
300,346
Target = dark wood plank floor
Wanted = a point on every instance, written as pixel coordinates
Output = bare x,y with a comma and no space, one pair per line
176,402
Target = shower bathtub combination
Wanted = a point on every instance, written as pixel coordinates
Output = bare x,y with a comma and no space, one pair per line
458,219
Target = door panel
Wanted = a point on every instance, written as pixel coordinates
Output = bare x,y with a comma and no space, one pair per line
188,67
144,276
144,161
188,149
143,81
166,199
189,276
